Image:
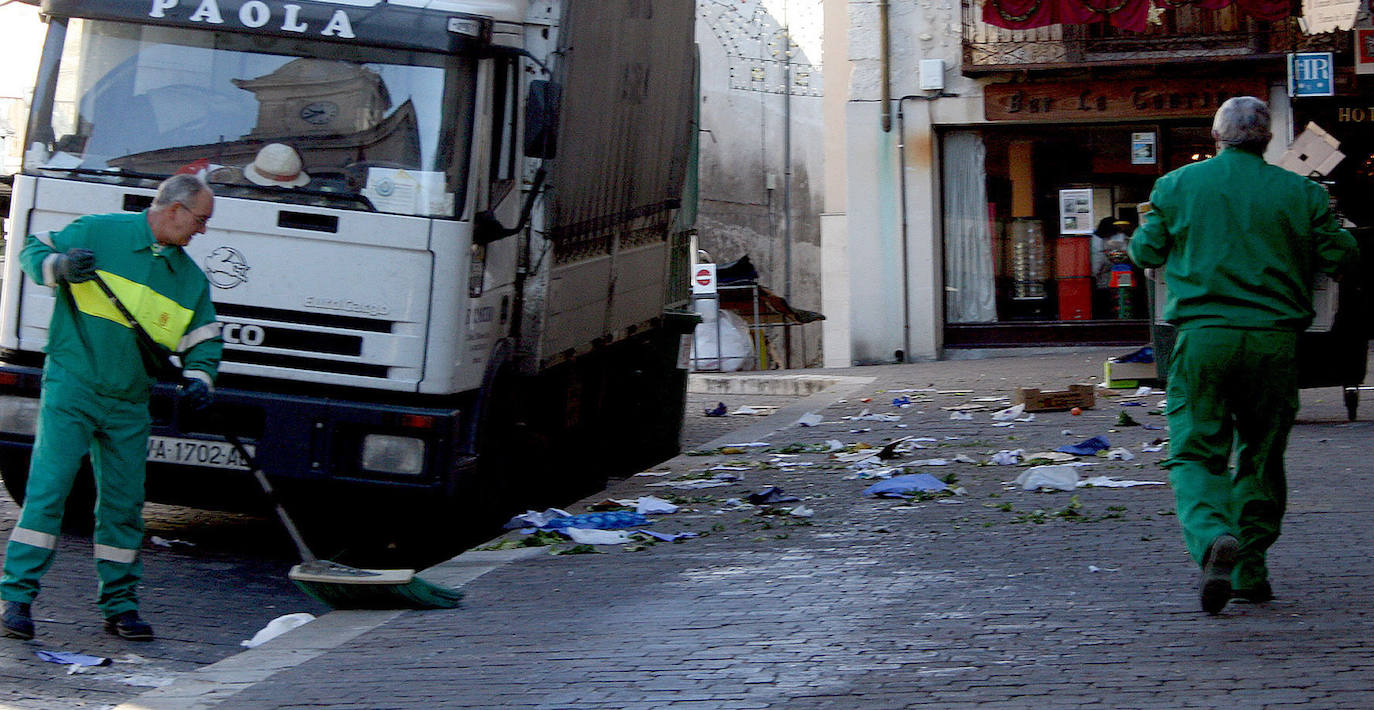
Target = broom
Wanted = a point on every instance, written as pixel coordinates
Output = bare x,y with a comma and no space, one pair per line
336,585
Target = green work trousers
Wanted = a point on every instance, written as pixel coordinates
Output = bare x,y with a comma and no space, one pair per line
1231,391
72,420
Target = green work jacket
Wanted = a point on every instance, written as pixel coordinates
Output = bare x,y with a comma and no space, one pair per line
1240,241
162,287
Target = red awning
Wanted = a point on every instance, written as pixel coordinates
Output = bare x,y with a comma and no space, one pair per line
1125,14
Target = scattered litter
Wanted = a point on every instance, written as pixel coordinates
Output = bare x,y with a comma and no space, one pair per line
670,537
801,511
1027,418
717,411
1003,424
1054,477
771,495
810,419
901,401
164,542
734,504
951,391
1120,453
906,486
960,415
953,438
649,505
1109,482
1153,446
277,627
753,411
747,445
654,473
1076,411
1124,419
1008,458
609,520
1010,413
1087,447
917,389
148,680
988,399
531,519
890,451
1144,391
1075,397
723,467
68,658
965,458
928,462
1132,404
878,473
866,417
964,408
1095,568
854,456
1066,432
588,536
835,445
1051,456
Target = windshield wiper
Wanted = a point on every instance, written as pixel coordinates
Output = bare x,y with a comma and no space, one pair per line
106,172
351,197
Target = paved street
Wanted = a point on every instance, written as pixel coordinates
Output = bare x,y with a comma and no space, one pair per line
995,597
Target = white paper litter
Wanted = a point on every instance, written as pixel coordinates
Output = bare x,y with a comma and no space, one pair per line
277,627
689,484
1143,391
1109,482
928,462
532,519
810,419
801,511
865,416
1009,414
747,445
1056,477
835,445
1120,453
589,536
960,415
1151,448
1008,458
650,505
965,458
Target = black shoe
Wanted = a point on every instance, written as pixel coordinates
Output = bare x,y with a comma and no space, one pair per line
1257,594
1215,587
128,626
18,620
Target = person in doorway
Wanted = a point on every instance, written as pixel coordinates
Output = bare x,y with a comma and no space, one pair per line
96,387
1240,241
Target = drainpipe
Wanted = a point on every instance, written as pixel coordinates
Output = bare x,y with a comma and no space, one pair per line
787,187
885,59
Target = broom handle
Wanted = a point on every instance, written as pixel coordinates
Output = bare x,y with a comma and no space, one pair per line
296,537
148,342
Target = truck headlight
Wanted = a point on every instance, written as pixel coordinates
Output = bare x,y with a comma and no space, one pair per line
393,454
18,415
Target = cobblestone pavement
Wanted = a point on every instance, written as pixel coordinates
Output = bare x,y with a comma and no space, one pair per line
995,597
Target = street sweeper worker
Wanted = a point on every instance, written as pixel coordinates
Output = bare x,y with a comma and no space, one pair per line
1240,242
96,386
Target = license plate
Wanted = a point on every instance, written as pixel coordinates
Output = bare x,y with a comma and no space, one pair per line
195,452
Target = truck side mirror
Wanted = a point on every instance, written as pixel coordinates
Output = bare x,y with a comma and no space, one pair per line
541,119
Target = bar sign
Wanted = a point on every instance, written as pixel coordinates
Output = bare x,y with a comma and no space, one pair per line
1311,74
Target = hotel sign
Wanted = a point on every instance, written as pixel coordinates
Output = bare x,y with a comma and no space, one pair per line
1113,100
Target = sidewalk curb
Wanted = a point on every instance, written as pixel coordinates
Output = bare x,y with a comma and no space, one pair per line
208,687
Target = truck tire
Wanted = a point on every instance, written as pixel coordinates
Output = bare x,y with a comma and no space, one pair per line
80,513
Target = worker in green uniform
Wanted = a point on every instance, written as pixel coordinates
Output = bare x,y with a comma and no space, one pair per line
1240,241
96,387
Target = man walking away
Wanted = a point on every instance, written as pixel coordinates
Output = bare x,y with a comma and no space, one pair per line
96,387
1240,241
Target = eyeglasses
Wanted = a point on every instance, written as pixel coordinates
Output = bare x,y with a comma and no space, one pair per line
200,219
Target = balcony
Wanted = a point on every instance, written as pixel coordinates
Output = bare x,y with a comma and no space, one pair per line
1182,34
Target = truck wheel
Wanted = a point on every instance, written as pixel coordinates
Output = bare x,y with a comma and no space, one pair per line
79,516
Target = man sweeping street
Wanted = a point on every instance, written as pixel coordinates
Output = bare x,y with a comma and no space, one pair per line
96,386
1240,241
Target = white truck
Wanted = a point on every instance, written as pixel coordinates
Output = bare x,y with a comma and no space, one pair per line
481,259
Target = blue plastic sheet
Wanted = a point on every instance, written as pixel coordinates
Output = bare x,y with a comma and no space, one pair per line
68,658
611,520
905,486
1087,447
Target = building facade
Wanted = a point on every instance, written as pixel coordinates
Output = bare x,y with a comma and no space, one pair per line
993,159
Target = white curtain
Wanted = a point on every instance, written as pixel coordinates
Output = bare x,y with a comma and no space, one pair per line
970,284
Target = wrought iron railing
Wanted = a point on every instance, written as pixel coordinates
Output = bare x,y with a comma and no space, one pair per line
1177,34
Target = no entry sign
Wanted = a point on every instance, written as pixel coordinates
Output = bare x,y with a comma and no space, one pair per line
704,279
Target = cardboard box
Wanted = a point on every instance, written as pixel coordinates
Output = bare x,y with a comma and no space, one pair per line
1120,375
1057,400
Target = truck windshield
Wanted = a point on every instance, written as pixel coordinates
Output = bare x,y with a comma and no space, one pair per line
286,120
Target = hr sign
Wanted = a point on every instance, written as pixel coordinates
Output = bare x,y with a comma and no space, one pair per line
1311,74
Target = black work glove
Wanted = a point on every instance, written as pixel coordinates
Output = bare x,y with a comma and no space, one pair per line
75,266
194,394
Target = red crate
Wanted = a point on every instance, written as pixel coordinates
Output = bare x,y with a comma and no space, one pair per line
1075,299
1073,257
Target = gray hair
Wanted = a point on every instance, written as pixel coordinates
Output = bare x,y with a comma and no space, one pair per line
1242,122
178,188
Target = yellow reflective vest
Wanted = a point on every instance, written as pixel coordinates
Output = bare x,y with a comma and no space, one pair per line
160,285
